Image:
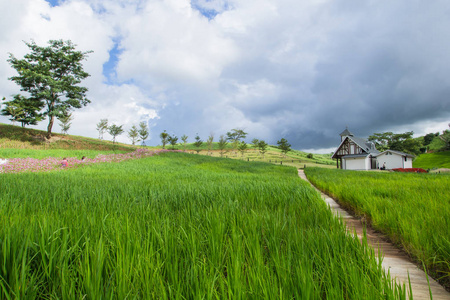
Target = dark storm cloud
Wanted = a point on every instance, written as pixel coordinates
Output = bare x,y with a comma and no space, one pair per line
379,66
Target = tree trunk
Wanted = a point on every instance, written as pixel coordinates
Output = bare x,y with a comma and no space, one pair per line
50,126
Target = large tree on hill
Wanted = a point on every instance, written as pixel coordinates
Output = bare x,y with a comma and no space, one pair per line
51,75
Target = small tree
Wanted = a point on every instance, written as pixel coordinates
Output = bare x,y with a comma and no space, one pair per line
23,110
184,139
133,134
262,145
164,138
235,137
102,127
198,143
222,145
65,122
209,142
242,147
255,144
114,131
173,141
143,132
284,146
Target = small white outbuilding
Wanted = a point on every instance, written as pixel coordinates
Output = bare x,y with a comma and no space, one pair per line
395,159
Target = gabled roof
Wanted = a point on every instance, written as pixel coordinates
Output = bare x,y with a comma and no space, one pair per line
395,152
366,146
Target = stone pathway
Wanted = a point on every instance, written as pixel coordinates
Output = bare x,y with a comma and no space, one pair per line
394,260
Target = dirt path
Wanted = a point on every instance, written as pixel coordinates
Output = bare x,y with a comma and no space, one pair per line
394,261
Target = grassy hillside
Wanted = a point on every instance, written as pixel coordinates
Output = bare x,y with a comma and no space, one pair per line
433,160
16,137
294,158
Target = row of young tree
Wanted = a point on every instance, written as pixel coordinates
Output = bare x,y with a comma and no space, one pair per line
135,134
234,138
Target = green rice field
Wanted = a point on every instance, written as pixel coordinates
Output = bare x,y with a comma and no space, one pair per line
412,209
178,226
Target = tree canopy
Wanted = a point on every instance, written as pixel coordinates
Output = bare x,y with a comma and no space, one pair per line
23,110
133,134
198,143
403,142
284,146
51,76
143,132
115,130
102,127
164,138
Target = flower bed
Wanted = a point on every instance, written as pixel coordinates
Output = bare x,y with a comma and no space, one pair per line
410,170
18,165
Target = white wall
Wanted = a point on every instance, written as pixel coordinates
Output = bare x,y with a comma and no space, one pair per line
359,163
408,163
394,161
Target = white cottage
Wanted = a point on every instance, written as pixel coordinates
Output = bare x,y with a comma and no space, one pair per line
359,154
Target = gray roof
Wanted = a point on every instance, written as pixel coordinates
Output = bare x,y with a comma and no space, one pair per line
396,152
367,146
346,132
355,155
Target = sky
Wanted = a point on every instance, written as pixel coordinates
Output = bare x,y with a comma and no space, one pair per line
300,70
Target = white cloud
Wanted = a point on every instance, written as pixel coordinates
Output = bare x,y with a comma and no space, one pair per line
168,43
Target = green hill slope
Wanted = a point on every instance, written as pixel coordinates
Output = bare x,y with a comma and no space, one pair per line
15,137
433,160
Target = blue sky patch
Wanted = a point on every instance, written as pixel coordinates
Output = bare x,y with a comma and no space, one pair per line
209,13
208,8
53,3
109,68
